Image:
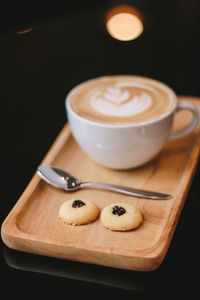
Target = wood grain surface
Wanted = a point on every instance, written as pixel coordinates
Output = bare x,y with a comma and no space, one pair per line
33,224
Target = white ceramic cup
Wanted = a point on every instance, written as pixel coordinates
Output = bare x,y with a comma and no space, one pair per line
126,146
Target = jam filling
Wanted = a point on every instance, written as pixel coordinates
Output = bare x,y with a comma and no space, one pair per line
118,210
78,203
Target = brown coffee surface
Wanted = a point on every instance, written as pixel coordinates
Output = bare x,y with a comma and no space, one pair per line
121,99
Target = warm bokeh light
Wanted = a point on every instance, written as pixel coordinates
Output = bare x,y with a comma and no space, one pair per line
24,31
124,25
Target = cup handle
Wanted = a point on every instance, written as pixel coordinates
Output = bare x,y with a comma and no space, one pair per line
185,105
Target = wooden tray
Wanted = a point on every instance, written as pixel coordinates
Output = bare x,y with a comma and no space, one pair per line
33,224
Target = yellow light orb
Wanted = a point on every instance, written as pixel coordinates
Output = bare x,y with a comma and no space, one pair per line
124,26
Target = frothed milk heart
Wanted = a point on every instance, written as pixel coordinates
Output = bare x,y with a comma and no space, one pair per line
121,99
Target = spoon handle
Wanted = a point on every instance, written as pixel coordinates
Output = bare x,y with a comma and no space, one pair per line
127,190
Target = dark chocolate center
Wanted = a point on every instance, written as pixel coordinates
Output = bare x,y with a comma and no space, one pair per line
118,210
78,203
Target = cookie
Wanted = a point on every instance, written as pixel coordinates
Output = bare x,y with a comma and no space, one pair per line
121,216
78,212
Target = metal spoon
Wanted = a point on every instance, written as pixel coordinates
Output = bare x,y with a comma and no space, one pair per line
63,180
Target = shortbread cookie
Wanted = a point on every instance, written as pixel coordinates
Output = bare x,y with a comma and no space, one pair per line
121,216
78,212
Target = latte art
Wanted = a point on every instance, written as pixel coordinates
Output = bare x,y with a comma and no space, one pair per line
120,103
116,95
121,99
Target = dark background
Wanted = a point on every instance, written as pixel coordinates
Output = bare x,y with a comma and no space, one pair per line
68,44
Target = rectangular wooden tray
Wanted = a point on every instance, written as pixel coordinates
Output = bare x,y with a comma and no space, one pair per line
33,224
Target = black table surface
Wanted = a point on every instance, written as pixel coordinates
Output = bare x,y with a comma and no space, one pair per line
43,54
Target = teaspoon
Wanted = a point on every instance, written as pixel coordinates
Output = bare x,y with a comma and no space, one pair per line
63,180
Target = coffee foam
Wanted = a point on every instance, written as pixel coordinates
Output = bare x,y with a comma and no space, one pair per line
120,100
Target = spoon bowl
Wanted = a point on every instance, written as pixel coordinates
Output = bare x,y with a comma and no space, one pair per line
58,178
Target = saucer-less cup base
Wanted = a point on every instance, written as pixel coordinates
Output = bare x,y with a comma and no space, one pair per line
130,145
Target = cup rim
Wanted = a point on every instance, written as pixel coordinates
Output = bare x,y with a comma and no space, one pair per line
128,125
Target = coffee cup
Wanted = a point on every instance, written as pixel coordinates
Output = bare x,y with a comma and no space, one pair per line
123,121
